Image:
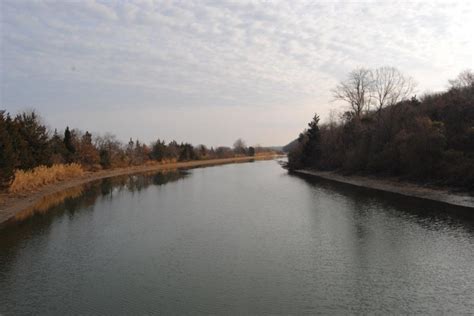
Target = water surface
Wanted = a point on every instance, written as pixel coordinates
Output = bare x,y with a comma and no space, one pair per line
241,238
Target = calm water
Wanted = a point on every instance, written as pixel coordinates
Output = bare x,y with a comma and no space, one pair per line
242,238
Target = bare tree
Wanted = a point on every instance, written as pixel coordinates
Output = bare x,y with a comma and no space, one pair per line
356,90
464,79
333,119
239,146
390,86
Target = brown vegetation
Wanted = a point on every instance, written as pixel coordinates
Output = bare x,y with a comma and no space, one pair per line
27,180
430,139
26,143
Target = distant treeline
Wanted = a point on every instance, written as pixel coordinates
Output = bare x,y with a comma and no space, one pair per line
389,131
26,143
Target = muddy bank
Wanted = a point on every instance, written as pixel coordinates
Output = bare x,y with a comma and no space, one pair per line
12,204
408,189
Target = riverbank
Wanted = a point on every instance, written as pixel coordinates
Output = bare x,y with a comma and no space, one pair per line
12,204
404,188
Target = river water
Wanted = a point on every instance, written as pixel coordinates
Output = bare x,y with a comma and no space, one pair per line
245,238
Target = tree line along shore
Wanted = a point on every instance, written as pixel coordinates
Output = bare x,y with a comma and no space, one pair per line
388,131
32,156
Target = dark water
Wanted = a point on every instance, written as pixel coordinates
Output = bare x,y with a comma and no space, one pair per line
244,238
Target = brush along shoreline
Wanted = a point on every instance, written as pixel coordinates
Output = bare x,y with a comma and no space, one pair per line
14,203
443,195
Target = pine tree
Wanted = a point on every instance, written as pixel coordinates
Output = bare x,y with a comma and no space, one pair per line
7,154
186,152
130,152
69,144
158,150
251,151
58,150
312,147
138,154
19,145
34,134
105,158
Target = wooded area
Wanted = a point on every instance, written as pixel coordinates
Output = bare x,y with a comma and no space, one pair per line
389,131
26,143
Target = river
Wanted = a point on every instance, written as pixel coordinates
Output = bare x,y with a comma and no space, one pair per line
245,238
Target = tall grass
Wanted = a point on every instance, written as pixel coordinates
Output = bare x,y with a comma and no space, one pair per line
27,180
168,161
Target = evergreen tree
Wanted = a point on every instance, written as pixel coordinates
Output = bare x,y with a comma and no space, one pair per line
7,154
34,134
69,144
172,152
186,152
58,150
105,158
158,150
312,147
130,152
295,156
139,153
19,146
251,151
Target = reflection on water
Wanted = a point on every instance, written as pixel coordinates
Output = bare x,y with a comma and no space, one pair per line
48,202
236,239
417,209
86,195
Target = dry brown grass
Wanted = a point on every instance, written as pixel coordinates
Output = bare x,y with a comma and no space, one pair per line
168,161
266,154
36,178
151,163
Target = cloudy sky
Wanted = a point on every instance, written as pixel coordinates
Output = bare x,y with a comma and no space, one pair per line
211,71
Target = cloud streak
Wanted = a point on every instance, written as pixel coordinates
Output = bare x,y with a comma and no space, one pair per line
160,57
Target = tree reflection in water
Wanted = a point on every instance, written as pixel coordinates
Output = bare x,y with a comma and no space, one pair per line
84,196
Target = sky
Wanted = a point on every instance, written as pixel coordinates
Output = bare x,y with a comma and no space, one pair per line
214,71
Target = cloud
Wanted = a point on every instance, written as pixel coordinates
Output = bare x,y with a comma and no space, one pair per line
64,56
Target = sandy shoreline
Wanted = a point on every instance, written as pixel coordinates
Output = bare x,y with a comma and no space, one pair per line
13,204
403,188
